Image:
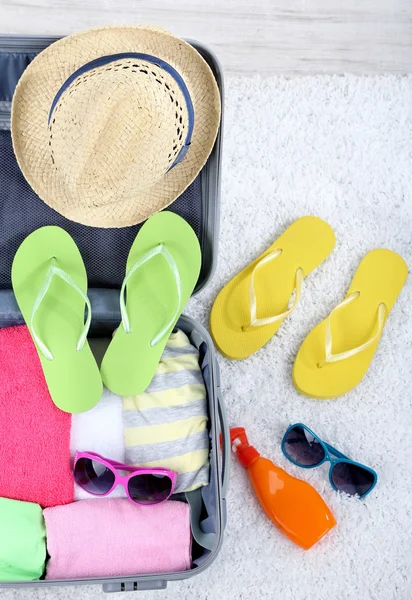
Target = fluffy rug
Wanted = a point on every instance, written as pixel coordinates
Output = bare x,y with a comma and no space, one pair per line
339,148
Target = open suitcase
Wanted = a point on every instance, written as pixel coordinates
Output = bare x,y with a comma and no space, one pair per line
105,252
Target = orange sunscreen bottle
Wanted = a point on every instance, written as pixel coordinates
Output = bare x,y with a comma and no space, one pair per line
292,504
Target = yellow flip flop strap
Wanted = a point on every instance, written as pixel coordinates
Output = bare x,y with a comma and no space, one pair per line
254,321
329,356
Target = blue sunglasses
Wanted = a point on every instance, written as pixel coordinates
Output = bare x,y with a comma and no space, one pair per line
305,449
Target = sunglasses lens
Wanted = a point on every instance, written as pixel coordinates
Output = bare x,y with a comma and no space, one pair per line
93,476
352,479
303,448
149,488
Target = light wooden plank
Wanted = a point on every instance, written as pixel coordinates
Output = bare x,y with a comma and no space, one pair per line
293,37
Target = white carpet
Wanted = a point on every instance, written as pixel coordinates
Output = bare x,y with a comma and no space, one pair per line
339,148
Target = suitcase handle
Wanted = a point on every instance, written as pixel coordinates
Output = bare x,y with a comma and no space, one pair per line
134,586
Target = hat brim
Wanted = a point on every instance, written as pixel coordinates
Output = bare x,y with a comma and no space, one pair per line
50,69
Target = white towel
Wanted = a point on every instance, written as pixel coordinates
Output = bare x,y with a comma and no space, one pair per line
100,430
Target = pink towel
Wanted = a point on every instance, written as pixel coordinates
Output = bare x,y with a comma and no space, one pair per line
34,433
114,538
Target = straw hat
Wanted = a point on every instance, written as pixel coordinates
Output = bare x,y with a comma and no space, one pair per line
111,125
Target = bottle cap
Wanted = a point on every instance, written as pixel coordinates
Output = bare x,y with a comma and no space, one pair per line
246,453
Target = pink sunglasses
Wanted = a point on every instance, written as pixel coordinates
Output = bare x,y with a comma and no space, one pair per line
99,476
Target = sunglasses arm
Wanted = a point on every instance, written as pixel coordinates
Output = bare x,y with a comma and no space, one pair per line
335,452
122,467
112,463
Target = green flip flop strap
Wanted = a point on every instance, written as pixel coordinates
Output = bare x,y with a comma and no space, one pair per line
52,271
160,250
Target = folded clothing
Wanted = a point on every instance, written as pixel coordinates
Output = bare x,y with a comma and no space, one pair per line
114,538
34,433
22,541
100,430
166,425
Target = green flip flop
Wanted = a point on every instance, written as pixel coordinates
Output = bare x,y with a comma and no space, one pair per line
50,284
161,272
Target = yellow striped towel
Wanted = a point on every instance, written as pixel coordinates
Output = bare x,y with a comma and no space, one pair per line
166,426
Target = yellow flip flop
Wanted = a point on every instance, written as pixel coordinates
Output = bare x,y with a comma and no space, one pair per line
251,307
336,354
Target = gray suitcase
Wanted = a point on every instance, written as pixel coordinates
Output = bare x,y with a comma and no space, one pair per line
21,212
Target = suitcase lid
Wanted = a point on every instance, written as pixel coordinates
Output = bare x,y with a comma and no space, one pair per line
104,251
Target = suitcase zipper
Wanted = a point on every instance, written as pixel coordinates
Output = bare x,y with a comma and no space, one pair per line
5,114
27,44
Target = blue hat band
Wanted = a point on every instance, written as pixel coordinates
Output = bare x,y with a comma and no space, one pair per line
106,60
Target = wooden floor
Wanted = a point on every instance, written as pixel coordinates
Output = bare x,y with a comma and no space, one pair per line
292,37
